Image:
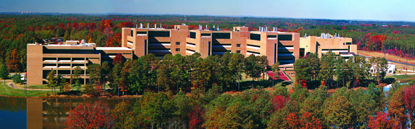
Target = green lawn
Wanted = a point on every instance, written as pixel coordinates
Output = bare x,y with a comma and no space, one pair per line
6,90
38,87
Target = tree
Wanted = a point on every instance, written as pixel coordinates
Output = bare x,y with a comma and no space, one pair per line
183,109
105,70
252,68
119,59
409,102
13,61
76,74
302,72
89,116
337,110
275,70
196,117
16,78
4,73
52,79
124,116
326,67
156,108
381,121
314,64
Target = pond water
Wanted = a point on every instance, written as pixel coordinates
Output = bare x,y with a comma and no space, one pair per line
37,113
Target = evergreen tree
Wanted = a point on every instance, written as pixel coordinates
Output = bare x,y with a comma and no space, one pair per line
4,73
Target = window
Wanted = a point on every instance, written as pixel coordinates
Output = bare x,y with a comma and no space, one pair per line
238,51
287,37
177,49
255,36
177,43
193,35
238,45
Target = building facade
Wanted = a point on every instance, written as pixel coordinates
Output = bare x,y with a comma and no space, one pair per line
281,47
41,59
325,43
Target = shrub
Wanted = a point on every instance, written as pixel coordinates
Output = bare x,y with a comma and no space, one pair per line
16,78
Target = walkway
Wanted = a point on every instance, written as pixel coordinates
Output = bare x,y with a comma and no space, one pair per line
12,86
281,76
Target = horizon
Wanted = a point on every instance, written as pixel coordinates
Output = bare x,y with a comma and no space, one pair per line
370,10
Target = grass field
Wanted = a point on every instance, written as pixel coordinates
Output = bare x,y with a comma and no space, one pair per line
389,57
6,90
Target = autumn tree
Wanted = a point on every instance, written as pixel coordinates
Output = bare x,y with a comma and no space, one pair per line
124,116
13,61
381,120
196,117
409,102
89,116
119,59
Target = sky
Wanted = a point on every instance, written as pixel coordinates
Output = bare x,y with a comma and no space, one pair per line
380,10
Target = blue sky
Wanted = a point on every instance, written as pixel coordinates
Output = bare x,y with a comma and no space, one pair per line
385,10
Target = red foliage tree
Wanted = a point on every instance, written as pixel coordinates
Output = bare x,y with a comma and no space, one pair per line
75,25
92,26
30,28
278,102
409,101
196,118
88,116
126,24
118,59
380,121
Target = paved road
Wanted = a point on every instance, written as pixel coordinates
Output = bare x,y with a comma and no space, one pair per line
395,61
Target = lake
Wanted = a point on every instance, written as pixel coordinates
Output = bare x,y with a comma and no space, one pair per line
37,113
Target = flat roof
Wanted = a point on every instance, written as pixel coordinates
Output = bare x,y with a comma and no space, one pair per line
113,48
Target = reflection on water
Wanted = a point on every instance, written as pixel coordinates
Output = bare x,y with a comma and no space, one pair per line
12,113
49,113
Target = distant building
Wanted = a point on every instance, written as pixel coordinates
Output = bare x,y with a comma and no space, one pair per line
325,43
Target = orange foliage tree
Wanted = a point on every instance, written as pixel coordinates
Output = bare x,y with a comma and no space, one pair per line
13,63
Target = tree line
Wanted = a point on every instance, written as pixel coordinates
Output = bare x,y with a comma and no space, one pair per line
257,108
334,71
170,73
105,30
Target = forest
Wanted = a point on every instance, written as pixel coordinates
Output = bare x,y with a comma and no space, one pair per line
190,91
334,71
301,108
105,30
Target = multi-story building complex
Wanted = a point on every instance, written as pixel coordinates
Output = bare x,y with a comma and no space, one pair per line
325,43
41,59
281,47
